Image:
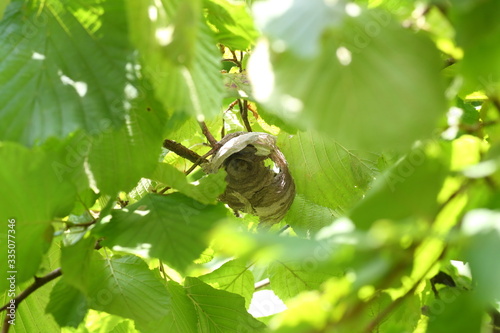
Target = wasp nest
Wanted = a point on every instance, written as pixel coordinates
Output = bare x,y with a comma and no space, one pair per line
258,179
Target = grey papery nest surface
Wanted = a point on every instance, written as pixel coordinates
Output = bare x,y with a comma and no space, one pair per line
253,185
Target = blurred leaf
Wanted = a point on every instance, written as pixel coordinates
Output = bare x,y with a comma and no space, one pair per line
179,54
32,196
288,279
300,24
482,229
234,276
356,87
477,32
126,287
63,68
454,311
172,228
232,23
219,310
409,188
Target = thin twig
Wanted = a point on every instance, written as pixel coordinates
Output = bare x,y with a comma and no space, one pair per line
236,61
244,114
39,282
207,134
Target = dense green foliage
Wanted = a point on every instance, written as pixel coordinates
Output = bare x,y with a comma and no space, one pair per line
388,113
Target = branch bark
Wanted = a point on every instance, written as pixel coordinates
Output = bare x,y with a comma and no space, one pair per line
39,282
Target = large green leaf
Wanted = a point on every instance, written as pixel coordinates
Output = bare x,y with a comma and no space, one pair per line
181,316
234,277
126,287
219,310
32,195
409,189
299,24
179,54
63,68
172,228
357,89
327,173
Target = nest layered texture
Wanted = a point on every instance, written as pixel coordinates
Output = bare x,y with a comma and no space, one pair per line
258,179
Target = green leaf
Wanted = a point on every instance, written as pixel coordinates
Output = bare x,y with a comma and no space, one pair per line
172,228
304,215
179,54
482,227
357,89
327,173
403,318
32,195
288,279
219,310
181,316
102,322
478,29
30,315
232,23
454,311
67,304
234,277
300,24
118,159
126,287
207,192
63,68
75,262
409,188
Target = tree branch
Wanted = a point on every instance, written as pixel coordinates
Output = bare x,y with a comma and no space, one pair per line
39,282
182,151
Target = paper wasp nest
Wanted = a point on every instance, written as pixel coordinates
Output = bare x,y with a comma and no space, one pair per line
254,184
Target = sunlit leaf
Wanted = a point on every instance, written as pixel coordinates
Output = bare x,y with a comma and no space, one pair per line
126,287
234,276
171,228
63,68
219,310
